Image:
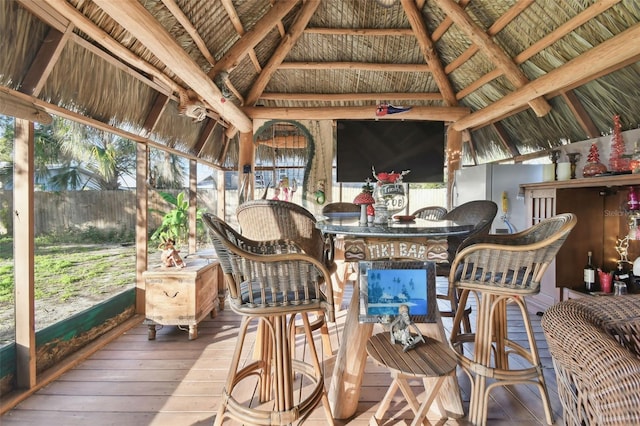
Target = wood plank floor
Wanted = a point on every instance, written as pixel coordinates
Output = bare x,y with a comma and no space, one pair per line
173,381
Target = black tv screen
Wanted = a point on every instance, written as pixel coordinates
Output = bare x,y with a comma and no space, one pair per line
390,146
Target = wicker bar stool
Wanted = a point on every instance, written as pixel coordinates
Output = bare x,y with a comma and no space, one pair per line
272,281
480,213
264,220
501,269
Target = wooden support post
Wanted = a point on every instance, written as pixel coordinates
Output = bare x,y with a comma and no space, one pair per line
221,210
246,158
193,204
454,159
23,249
142,202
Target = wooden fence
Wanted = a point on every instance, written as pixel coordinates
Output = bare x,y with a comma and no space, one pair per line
56,212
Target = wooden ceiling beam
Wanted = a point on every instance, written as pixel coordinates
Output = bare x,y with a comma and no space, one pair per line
123,57
99,125
47,13
468,139
279,24
613,68
505,140
590,12
237,24
345,97
435,113
190,29
581,115
368,32
564,29
494,52
106,41
207,129
429,51
223,151
363,66
143,26
446,23
485,79
47,56
153,117
287,42
17,107
607,54
494,29
246,43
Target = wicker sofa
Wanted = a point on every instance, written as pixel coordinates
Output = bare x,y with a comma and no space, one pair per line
595,346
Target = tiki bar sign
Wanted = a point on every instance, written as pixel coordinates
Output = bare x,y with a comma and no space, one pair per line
371,249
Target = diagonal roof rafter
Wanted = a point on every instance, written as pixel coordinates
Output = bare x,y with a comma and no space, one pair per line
494,52
429,51
287,42
132,16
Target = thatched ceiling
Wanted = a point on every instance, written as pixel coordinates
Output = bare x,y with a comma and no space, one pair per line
516,77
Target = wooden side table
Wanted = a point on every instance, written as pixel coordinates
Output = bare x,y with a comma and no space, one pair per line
428,361
181,296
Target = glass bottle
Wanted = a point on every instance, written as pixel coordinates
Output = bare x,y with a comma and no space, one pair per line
635,159
589,274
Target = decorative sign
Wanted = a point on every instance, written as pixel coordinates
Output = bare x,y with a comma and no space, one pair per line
434,249
393,196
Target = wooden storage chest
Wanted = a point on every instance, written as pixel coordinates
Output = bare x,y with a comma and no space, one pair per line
181,296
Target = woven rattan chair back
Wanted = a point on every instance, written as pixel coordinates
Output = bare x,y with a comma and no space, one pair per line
480,213
274,219
274,281
501,269
513,261
430,213
269,277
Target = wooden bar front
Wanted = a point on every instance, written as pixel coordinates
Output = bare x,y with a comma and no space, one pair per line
419,239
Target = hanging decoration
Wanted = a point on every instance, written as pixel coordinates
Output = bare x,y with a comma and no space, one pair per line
384,109
617,161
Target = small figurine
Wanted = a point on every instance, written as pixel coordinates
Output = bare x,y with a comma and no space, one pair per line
622,247
401,330
170,257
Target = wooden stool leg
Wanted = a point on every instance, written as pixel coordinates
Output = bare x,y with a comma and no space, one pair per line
386,401
421,413
326,340
409,396
233,369
535,360
317,367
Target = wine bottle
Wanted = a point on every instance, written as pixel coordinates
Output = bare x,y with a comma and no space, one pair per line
589,274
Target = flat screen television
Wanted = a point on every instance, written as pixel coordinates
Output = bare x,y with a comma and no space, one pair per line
390,146
386,284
